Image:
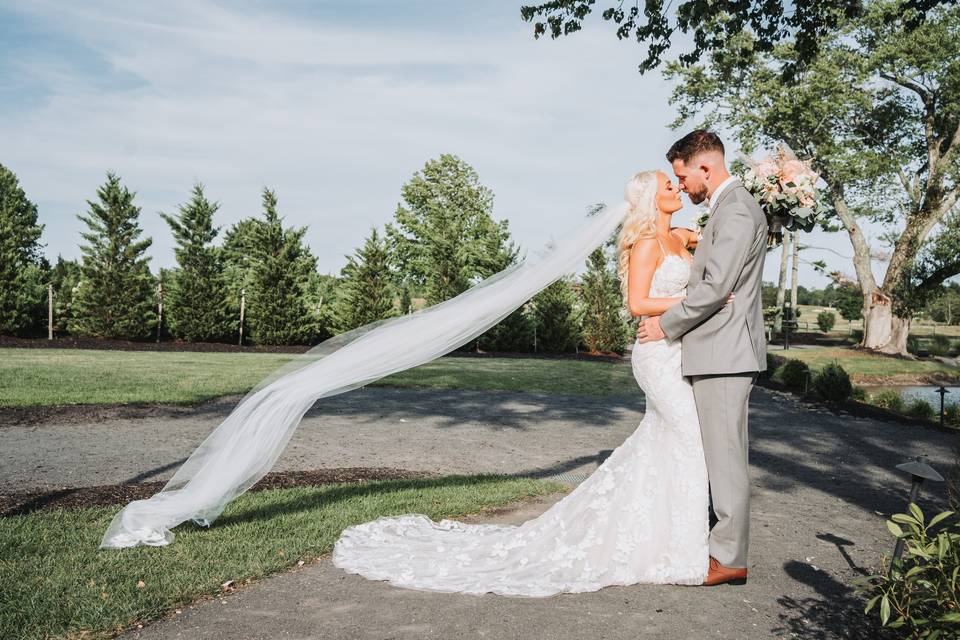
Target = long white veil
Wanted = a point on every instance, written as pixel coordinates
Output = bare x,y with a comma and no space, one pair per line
248,442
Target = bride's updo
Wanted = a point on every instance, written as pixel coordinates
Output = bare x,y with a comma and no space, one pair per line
641,194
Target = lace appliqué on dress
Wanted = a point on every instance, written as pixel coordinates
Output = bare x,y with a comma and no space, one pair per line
641,517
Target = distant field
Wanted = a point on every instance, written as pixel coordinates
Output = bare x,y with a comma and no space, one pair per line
868,368
31,377
808,322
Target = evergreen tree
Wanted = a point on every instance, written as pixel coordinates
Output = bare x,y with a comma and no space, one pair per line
196,303
22,278
65,276
604,325
281,272
406,298
237,256
444,237
556,318
366,292
321,297
116,295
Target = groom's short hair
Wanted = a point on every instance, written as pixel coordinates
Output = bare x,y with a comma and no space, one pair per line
693,144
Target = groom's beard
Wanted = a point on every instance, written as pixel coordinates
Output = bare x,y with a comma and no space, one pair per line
698,196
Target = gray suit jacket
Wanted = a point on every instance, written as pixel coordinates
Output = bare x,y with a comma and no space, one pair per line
729,258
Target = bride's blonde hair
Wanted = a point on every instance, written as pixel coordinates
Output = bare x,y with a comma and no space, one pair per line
641,194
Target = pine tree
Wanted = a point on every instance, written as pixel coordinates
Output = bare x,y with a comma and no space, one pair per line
65,276
604,326
22,286
444,237
116,296
280,275
366,292
196,302
406,298
555,316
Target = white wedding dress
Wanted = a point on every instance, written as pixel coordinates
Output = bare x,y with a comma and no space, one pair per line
641,517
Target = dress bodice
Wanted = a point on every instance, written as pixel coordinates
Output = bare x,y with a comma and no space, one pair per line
670,277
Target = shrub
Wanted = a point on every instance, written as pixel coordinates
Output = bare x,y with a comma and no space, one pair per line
859,394
951,415
920,408
919,597
940,346
773,363
888,399
913,345
833,383
826,320
794,374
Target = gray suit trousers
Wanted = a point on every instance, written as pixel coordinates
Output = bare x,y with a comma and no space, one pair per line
722,403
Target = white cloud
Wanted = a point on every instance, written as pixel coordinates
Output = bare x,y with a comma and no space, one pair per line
334,117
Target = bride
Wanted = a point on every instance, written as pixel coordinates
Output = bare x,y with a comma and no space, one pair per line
641,517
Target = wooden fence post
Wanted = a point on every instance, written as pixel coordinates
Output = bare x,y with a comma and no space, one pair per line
243,301
159,308
49,312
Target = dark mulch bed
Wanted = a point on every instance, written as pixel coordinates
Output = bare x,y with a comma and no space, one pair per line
69,342
179,345
13,504
97,412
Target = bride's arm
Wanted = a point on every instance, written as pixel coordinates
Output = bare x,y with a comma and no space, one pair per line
643,263
688,237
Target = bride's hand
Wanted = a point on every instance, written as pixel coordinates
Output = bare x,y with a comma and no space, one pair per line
729,300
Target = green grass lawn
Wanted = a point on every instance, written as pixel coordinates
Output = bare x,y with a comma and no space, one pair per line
30,377
55,582
865,367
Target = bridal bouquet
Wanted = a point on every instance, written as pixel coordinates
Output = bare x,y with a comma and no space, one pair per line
786,188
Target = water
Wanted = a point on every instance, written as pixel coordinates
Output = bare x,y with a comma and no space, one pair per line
928,393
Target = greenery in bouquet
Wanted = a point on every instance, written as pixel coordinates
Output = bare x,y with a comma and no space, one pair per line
786,188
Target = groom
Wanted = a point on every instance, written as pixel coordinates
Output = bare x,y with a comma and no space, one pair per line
723,347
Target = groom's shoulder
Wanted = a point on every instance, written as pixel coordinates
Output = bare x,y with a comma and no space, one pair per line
740,196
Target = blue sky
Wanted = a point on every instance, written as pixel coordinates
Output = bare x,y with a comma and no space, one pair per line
332,104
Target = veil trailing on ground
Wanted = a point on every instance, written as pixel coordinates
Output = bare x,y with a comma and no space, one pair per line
248,442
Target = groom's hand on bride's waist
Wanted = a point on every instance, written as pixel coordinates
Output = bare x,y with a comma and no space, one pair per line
649,330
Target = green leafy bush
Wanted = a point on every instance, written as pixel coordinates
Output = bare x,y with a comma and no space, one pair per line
920,597
833,383
773,363
940,345
859,394
794,374
951,415
888,399
826,320
920,408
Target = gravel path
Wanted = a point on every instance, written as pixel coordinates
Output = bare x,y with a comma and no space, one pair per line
822,485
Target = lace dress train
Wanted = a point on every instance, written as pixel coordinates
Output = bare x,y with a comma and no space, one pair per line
641,517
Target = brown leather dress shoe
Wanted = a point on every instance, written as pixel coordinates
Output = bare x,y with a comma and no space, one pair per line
719,574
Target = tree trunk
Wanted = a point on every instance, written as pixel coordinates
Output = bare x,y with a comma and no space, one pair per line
794,274
782,284
899,332
877,318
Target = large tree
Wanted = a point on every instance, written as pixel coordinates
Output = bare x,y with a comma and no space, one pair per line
366,289
877,111
22,294
655,23
116,296
196,300
280,273
444,237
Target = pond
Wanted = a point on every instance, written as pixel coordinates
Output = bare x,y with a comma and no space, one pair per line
928,393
